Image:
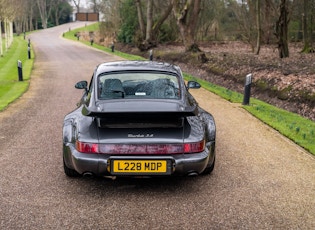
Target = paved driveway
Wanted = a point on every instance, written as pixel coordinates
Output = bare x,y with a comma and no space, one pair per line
261,180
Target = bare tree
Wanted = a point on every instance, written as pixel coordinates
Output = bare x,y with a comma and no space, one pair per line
148,33
7,14
140,19
44,8
167,9
187,13
58,8
77,5
110,10
29,11
258,24
149,21
1,19
270,12
95,6
307,36
21,17
56,11
25,16
282,30
212,12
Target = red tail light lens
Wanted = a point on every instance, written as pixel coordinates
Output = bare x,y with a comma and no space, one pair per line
194,147
86,147
140,148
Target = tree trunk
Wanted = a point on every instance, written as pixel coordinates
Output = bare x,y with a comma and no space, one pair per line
31,26
95,7
6,34
258,26
149,33
8,31
186,14
57,15
158,24
1,49
42,8
149,21
282,30
11,32
30,5
77,5
54,6
267,27
306,35
140,18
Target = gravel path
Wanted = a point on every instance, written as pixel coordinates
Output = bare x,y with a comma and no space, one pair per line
261,179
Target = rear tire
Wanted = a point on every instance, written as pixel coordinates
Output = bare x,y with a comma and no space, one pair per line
209,169
70,172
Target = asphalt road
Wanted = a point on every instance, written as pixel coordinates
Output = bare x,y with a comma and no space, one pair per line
261,180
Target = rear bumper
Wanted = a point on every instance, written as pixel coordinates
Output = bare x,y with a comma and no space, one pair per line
99,164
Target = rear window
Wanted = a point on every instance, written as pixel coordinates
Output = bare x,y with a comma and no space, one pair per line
126,85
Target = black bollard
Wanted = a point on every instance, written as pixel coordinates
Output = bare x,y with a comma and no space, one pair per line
248,84
151,55
20,72
113,47
29,52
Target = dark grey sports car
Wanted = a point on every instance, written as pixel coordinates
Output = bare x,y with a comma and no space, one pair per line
137,118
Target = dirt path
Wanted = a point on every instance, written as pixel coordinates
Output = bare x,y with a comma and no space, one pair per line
261,180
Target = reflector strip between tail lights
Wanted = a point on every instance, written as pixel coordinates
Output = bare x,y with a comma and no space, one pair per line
129,149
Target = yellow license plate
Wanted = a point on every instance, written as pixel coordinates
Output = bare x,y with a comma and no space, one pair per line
139,166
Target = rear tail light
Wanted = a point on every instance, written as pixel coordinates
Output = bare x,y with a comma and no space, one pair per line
194,147
86,147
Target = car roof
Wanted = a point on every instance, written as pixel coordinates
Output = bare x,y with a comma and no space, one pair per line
137,65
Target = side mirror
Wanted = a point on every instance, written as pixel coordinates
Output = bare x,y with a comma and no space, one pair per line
81,85
193,85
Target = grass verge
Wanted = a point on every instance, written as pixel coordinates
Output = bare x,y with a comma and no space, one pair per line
295,127
10,86
298,129
72,35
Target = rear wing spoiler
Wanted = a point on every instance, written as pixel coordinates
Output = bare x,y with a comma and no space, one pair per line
137,114
154,119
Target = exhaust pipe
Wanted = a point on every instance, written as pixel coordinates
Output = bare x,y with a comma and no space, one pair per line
192,174
110,177
88,174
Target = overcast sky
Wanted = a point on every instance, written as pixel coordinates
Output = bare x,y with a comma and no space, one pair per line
83,3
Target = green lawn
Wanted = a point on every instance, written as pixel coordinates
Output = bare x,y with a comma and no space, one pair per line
94,27
295,127
10,86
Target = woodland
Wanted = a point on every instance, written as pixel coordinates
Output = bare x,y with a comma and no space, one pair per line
218,40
